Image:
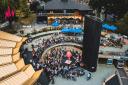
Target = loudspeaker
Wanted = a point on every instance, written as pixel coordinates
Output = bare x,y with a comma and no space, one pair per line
91,42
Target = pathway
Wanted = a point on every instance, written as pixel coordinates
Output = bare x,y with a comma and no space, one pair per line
102,73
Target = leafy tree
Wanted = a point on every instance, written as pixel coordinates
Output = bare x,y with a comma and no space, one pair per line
4,6
25,15
24,8
34,6
117,7
7,6
123,25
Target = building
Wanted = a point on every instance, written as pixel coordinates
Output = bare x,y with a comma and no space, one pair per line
65,10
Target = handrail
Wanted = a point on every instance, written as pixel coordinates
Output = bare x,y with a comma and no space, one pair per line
55,14
119,77
109,77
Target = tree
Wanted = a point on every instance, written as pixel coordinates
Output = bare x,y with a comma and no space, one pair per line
1,14
34,6
117,7
7,11
123,25
25,15
24,8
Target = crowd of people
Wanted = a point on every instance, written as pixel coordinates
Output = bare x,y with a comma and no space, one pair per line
39,45
55,64
55,40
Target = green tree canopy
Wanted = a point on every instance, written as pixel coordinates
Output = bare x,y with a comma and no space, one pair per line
123,25
3,7
117,7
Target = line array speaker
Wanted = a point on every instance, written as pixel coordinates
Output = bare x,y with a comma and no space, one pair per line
91,42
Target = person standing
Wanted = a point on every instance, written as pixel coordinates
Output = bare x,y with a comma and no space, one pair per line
89,76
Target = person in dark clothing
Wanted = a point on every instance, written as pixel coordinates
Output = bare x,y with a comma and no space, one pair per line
53,81
89,76
43,80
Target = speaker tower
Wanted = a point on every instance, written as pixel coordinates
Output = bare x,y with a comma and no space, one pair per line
91,42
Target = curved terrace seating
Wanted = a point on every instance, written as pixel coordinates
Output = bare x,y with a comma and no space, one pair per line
13,70
5,59
7,36
5,43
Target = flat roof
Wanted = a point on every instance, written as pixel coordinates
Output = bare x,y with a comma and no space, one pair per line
69,4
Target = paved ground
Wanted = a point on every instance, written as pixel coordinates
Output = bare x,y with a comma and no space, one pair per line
38,27
113,49
103,72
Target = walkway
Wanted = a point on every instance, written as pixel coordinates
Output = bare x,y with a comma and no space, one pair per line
39,27
103,72
44,33
113,49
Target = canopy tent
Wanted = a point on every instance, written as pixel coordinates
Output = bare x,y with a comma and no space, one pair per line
109,27
71,30
55,24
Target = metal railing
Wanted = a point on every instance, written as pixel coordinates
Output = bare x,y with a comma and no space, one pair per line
56,14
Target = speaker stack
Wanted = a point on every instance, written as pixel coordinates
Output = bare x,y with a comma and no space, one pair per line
91,42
